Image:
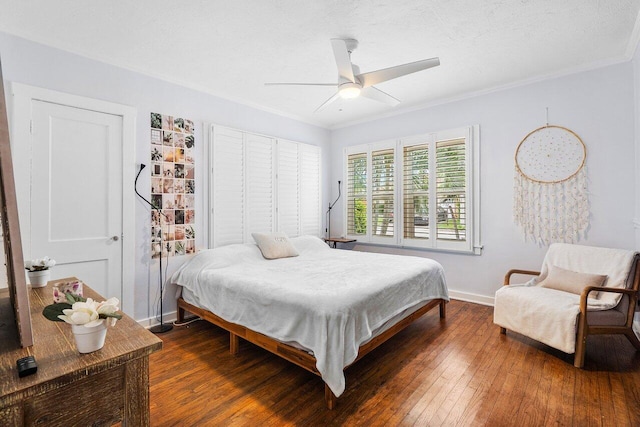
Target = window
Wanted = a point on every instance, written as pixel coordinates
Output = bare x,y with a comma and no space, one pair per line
357,194
370,209
261,184
382,193
415,187
451,182
436,200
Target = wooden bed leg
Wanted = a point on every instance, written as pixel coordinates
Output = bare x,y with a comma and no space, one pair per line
234,343
329,397
180,315
503,331
443,309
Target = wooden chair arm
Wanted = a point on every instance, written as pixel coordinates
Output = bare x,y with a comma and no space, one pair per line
585,294
507,276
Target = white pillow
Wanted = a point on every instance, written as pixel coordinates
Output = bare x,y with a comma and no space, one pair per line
274,245
309,244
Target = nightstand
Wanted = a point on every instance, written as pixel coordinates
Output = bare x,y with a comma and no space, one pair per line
333,241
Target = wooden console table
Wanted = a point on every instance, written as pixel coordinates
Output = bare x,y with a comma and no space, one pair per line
100,389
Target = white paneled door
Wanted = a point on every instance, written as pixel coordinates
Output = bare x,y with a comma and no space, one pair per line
76,193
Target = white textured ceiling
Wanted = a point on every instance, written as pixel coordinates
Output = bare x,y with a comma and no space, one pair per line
231,48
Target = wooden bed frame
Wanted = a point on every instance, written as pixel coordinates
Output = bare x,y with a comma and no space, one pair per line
293,354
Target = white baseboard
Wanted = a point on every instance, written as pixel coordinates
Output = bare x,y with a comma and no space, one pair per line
169,317
469,297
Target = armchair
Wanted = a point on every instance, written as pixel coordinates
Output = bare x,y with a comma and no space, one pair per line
562,314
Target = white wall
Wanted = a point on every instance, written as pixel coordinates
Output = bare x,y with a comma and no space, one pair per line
598,105
38,65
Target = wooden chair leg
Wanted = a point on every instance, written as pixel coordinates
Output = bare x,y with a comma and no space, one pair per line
633,339
329,397
581,342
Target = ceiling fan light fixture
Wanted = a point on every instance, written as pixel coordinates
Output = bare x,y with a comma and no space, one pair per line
352,84
349,90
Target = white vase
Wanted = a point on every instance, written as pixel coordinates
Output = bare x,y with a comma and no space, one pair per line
89,340
39,279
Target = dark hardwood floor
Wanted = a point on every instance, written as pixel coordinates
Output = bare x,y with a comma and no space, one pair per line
458,371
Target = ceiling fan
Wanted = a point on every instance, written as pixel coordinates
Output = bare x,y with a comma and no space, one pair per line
351,83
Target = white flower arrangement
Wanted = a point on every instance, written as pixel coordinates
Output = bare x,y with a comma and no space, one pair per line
92,313
79,311
39,264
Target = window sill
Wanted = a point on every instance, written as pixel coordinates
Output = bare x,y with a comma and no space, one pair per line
477,251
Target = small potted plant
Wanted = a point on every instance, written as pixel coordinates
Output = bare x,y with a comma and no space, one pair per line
38,271
88,319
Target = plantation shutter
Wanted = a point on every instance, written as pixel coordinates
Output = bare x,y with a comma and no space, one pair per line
382,193
357,194
259,185
288,188
309,173
451,188
415,177
228,186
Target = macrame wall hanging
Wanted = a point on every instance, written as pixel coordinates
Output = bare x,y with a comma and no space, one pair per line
550,189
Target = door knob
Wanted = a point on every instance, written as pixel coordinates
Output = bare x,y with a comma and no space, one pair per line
115,238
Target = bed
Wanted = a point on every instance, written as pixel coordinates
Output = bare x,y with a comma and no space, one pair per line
322,310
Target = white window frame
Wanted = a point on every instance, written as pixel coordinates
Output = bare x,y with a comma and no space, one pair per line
471,244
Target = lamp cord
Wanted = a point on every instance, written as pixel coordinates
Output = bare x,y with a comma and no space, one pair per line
328,214
158,209
135,188
339,194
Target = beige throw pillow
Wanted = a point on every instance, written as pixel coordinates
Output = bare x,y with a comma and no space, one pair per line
275,245
572,281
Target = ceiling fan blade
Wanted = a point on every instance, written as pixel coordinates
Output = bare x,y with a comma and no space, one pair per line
326,103
379,76
343,60
300,84
380,96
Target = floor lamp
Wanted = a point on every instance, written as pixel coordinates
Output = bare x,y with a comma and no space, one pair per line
162,327
331,205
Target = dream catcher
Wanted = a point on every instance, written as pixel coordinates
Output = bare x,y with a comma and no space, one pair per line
550,189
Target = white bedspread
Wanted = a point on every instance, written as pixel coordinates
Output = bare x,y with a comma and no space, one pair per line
327,300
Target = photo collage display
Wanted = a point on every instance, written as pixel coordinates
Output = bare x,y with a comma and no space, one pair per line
172,186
